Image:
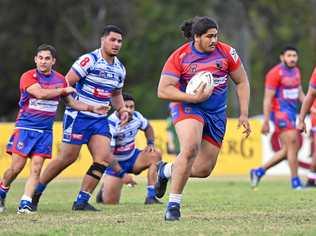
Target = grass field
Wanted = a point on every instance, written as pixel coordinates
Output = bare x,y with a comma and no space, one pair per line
217,206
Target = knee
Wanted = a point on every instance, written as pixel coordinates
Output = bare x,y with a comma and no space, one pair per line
16,169
110,199
202,173
190,151
155,156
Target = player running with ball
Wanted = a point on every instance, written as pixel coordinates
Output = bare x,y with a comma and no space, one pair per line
200,119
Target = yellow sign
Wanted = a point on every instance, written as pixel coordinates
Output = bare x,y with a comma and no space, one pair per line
237,156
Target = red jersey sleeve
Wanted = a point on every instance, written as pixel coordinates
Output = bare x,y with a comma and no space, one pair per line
173,66
27,79
312,81
232,56
65,82
273,78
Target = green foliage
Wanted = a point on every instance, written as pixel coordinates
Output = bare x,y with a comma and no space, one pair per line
257,29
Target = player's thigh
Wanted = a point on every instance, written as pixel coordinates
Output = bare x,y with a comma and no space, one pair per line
189,133
206,159
18,162
289,137
112,187
99,147
69,152
37,163
145,159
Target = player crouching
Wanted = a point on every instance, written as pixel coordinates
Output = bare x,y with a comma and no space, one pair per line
131,159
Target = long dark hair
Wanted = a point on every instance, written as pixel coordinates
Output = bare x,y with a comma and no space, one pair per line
198,25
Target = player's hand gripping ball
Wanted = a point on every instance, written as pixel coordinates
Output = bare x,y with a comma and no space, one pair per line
200,78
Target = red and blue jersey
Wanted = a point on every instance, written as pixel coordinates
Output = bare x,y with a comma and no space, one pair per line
312,83
286,82
186,61
38,114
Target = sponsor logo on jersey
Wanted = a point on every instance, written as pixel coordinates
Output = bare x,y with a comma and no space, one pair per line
234,54
43,105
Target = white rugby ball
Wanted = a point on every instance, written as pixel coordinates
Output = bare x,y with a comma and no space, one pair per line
200,78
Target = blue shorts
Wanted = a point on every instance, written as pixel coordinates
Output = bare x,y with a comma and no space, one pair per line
283,120
214,123
127,165
78,127
28,143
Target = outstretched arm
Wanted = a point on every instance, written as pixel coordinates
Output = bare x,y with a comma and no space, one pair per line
239,76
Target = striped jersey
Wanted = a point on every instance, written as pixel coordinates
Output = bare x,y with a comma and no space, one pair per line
34,113
123,138
98,79
286,82
186,61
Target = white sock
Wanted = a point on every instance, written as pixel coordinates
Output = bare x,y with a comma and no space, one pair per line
311,175
26,198
167,170
175,197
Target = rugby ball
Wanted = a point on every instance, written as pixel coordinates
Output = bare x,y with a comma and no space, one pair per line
200,78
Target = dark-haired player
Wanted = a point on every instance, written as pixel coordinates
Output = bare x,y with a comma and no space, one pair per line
200,119
40,89
99,77
283,92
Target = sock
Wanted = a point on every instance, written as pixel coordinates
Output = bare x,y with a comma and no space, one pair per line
151,193
296,182
166,171
83,197
260,172
40,188
174,199
311,175
25,200
3,190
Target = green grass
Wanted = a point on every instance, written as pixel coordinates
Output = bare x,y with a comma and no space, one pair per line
215,206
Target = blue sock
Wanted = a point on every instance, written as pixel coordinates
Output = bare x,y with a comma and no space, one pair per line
40,188
83,197
151,193
296,182
3,191
260,172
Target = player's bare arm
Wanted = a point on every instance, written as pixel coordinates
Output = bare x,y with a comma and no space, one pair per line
80,106
307,103
150,137
239,76
301,95
72,77
167,90
267,101
43,93
119,105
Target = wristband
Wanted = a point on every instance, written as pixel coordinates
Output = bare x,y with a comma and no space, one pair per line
150,142
121,173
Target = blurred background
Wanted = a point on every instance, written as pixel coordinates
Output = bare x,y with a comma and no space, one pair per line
258,29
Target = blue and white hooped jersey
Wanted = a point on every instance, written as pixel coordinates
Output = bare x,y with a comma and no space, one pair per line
123,138
98,79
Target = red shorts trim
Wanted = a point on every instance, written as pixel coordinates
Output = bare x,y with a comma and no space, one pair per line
20,154
186,117
212,141
46,156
